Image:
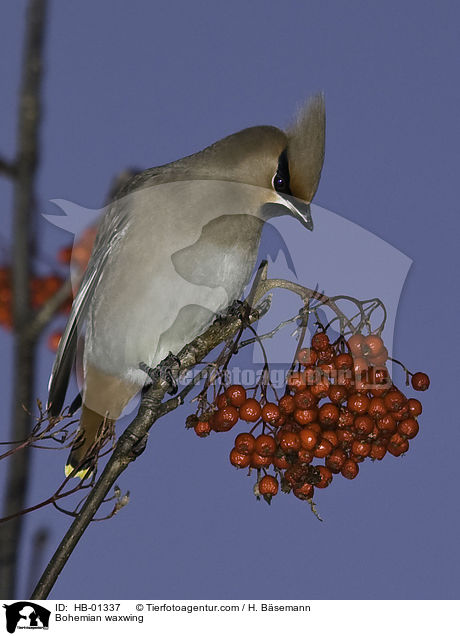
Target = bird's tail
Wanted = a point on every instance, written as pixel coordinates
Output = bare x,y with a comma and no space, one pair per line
93,430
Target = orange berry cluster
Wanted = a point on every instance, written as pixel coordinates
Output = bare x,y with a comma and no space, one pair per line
339,408
42,288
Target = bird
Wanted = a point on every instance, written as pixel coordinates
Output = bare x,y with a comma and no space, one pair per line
175,247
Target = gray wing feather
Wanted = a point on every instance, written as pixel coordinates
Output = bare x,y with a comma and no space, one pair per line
111,228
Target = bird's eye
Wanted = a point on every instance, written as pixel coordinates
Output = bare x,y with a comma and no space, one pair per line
281,178
279,183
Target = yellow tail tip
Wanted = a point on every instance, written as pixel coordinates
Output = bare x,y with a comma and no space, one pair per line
81,474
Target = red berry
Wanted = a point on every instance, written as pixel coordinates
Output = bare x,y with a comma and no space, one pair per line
239,459
346,379
379,375
281,462
326,477
260,461
376,407
308,438
408,427
287,404
304,492
307,357
336,460
225,419
350,469
381,358
250,410
358,403
361,448
296,474
327,357
271,413
304,417
402,413
394,400
378,450
379,390
265,445
296,381
343,361
289,441
331,437
360,368
361,386
373,345
221,401
328,369
387,423
415,407
320,341
323,448
397,445
328,415
305,399
320,389
355,344
245,443
202,429
337,394
363,425
345,436
268,485
420,381
236,395
346,418
305,456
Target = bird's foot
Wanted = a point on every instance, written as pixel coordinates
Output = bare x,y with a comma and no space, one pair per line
166,370
238,308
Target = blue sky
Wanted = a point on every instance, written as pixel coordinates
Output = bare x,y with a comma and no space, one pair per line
141,83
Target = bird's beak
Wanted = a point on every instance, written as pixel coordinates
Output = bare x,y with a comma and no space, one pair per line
299,209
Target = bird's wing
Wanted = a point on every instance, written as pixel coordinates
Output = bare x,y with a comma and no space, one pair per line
113,225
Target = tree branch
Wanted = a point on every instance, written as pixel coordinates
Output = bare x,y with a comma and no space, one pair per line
130,443
24,352
46,313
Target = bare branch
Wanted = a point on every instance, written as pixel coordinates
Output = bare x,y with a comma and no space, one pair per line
23,232
45,314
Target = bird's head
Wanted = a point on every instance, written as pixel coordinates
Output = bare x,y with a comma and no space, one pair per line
287,164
